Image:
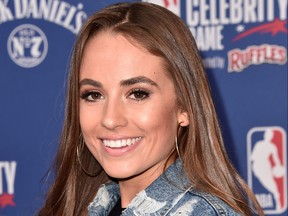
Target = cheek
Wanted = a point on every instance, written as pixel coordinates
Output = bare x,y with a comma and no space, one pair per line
88,124
88,119
156,117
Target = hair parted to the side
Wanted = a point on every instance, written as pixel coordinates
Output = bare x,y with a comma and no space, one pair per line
201,146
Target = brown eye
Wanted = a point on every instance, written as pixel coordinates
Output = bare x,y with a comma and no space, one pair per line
91,96
138,94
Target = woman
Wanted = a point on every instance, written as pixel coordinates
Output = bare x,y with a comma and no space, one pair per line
141,134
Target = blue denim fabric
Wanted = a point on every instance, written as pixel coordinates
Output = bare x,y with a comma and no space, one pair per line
170,194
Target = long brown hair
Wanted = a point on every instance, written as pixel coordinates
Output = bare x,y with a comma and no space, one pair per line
200,144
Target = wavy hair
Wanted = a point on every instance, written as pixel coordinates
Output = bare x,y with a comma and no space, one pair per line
201,146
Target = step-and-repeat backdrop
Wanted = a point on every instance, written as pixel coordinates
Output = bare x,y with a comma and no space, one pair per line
244,48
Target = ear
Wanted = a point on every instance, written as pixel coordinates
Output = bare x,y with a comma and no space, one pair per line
183,119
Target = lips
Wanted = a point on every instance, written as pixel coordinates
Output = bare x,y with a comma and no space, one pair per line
120,142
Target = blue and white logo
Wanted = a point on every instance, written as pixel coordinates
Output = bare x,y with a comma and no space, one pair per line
27,45
267,168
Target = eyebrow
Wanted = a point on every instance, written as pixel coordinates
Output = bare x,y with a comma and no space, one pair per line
127,82
139,79
90,82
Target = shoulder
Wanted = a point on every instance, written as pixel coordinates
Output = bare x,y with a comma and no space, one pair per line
200,203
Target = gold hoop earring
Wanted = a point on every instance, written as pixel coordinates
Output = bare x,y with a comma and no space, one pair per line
176,140
176,146
78,153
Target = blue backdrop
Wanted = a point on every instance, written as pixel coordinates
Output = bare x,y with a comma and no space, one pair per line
244,48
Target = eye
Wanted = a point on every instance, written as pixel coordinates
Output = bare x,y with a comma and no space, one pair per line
91,96
139,94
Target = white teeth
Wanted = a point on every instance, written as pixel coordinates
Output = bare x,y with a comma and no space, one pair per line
120,143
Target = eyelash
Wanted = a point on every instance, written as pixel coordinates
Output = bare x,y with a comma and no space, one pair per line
134,94
144,94
85,96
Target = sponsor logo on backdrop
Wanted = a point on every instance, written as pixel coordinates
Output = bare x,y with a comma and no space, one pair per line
267,167
238,59
27,45
59,12
207,19
7,182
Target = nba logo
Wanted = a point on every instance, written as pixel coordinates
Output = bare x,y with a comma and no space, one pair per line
172,5
267,167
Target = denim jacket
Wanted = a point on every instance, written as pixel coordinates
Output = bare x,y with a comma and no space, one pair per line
170,194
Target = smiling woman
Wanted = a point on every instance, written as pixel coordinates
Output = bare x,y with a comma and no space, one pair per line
141,135
130,128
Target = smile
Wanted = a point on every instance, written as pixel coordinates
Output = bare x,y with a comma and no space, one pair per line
120,143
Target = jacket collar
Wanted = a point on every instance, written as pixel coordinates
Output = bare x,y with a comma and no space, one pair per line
158,198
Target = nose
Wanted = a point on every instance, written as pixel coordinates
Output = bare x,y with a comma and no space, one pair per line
114,115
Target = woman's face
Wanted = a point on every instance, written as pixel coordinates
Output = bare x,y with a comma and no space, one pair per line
128,111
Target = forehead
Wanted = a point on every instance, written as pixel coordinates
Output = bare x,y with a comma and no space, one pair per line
111,53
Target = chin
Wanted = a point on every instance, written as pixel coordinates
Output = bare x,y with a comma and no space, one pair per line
119,176
122,174
119,170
